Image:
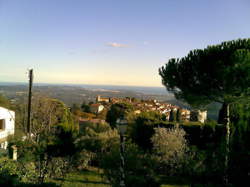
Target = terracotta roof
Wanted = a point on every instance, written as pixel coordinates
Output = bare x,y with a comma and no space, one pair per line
95,105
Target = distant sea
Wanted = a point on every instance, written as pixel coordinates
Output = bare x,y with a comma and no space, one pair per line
140,89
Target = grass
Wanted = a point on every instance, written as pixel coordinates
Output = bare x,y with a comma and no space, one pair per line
174,182
83,179
170,185
93,179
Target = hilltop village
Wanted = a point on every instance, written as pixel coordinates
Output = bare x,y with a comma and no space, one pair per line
103,104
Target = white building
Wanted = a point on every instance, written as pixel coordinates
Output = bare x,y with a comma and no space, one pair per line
96,108
198,115
7,126
202,117
102,99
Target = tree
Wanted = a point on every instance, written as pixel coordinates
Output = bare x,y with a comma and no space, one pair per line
52,155
240,144
218,73
95,139
143,129
9,173
52,144
139,167
102,114
178,115
48,112
85,107
75,107
170,147
172,116
118,110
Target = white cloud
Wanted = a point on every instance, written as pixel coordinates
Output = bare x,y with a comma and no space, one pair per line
117,45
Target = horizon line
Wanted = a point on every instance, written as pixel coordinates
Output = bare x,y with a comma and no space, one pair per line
54,83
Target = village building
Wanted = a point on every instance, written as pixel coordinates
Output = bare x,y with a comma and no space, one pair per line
185,114
152,105
115,100
102,99
96,108
164,110
198,115
7,126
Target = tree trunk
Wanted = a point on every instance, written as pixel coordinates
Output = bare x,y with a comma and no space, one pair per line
227,142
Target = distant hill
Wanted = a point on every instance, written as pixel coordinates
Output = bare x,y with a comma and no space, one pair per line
70,93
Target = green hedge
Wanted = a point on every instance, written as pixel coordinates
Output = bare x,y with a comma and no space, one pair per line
198,134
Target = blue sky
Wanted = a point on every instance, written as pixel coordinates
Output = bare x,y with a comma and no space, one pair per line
118,42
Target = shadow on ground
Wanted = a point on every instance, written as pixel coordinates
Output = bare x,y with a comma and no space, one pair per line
82,181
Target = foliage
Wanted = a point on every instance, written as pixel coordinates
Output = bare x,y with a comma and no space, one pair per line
95,139
240,120
172,116
178,115
9,173
204,166
20,108
240,143
139,167
118,110
83,112
203,135
52,142
176,158
12,174
94,127
47,112
85,108
102,114
197,134
74,108
3,153
170,148
85,115
143,129
169,144
38,160
217,73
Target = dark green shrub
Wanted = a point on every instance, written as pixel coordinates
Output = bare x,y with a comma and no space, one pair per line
118,110
139,167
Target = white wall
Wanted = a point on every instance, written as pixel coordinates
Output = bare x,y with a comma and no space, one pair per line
100,108
202,116
9,118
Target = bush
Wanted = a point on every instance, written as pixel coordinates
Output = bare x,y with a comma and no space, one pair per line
196,133
10,175
170,148
38,159
118,110
139,167
143,129
96,139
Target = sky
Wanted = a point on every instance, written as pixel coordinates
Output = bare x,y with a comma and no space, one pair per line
110,42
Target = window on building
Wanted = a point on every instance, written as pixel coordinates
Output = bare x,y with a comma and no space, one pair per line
2,124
